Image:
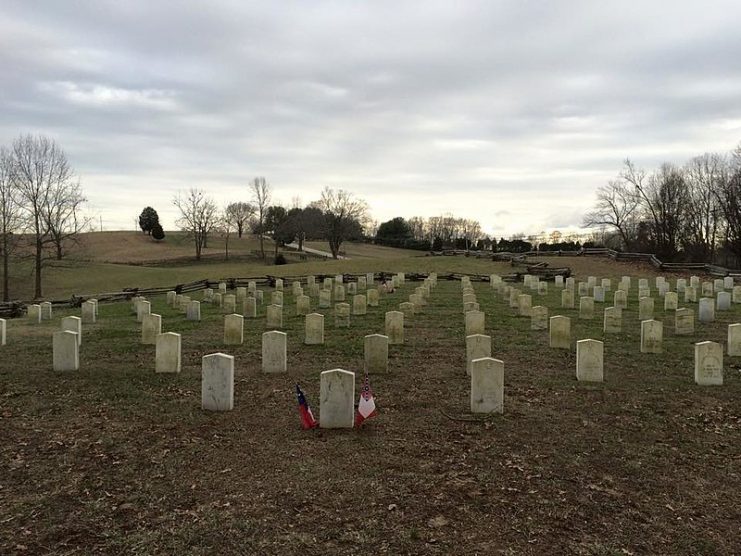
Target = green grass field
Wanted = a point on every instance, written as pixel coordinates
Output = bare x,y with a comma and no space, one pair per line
117,459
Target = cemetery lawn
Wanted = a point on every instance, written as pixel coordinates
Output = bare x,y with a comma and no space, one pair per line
115,459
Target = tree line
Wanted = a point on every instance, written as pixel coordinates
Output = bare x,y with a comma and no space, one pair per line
337,216
40,205
689,212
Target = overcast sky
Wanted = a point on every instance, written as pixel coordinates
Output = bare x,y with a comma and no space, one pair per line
511,113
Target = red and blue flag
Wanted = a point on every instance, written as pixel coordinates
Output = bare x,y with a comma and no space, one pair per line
307,417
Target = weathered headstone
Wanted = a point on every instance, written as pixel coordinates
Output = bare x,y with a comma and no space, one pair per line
193,311
706,310
314,329
359,304
259,296
694,281
151,328
208,297
620,299
167,353
274,352
718,285
560,332
690,294
303,304
279,284
681,285
46,311
477,346
487,385
590,360
591,281
475,322
241,294
708,364
599,294
567,299
645,308
362,283
222,288
274,316
337,399
249,308
34,313
171,297
372,295
339,292
613,320
342,315
3,332
539,318
723,301
606,284
352,288
652,335
395,327
276,298
325,299
217,382
707,289
376,353
644,292
185,301
684,322
524,305
542,288
642,283
583,289
71,324
408,309
233,330
671,301
88,312
66,350
734,340
559,282
229,303
586,308
736,294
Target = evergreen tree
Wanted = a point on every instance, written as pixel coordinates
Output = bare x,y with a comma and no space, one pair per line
147,220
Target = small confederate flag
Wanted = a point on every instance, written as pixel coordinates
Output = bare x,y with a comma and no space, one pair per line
307,417
366,405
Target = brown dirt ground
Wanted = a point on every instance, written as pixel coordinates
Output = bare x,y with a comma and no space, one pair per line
115,459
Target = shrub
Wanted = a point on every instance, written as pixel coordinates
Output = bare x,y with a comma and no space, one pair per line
280,259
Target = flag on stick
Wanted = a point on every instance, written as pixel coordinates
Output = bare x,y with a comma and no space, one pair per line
366,405
307,417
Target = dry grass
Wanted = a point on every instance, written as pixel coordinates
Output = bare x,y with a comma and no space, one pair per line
115,459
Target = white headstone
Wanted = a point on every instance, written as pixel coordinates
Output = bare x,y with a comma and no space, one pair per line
599,294
359,304
734,340
586,307
690,294
233,330
613,320
620,299
217,382
65,348
151,328
339,292
274,316
477,346
167,353
276,298
72,324
708,364
249,307
274,352
723,301
567,299
88,313
590,360
34,313
645,308
342,315
193,311
279,284
736,295
475,322
303,304
395,327
524,305
337,399
487,385
372,297
652,335
376,353
560,332
539,318
229,303
314,329
671,301
325,299
408,309
684,322
46,311
706,309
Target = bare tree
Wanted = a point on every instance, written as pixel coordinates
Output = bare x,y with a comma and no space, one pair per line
706,176
49,196
10,216
261,194
342,213
239,215
198,216
616,207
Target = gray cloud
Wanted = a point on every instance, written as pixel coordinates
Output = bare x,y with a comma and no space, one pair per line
508,112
